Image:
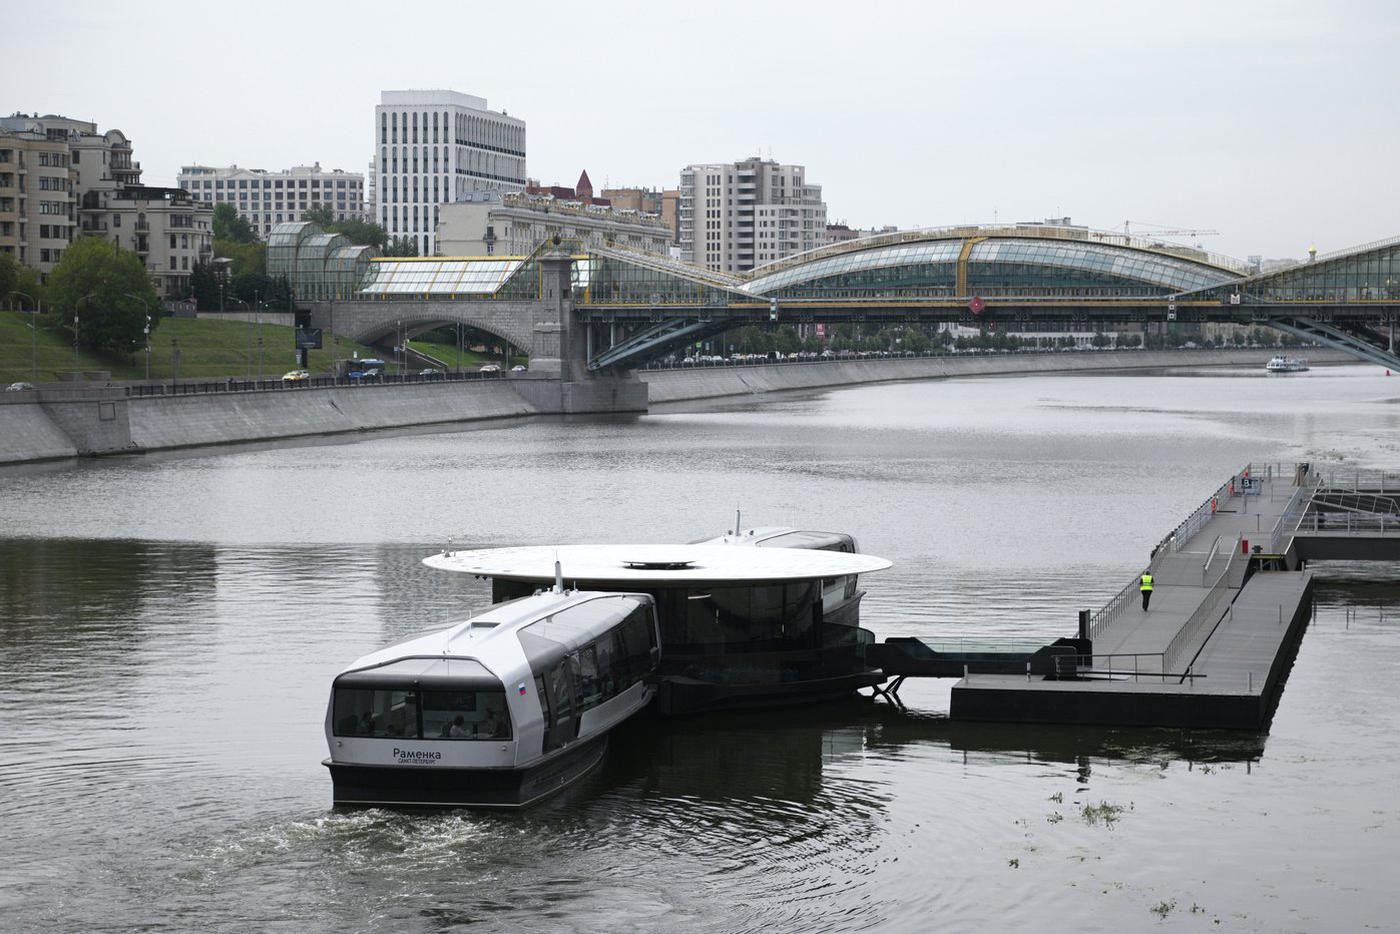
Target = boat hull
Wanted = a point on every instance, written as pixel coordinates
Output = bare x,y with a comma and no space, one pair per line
679,695
429,786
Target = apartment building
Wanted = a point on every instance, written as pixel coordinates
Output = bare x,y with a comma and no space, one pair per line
736,216
37,213
435,147
265,199
78,181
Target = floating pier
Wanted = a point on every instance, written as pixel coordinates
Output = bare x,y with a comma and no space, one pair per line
1232,596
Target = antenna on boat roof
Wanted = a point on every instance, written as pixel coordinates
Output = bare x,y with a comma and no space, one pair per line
558,575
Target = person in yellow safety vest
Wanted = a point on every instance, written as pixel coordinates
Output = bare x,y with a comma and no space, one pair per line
1146,589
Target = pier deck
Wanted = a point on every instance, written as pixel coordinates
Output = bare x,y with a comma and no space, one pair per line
1229,606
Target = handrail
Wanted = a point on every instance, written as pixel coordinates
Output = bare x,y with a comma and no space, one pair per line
1210,556
1208,606
1100,620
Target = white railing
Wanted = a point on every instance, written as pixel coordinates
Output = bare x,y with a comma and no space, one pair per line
1209,609
1100,620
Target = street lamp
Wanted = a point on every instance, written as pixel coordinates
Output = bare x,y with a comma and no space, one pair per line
33,334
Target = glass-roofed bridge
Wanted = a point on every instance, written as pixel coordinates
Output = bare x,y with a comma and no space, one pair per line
633,306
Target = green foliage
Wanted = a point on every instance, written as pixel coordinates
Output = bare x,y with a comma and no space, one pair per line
246,257
9,275
402,246
361,233
358,232
229,226
204,285
110,292
319,215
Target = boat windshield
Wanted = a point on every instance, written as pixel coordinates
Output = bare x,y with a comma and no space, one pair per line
410,713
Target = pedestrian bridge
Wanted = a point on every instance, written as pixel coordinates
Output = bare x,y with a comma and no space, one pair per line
632,307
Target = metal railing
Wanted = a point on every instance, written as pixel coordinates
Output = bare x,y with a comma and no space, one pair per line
1293,513
1119,666
1369,481
1348,523
1177,537
1100,620
1209,609
192,387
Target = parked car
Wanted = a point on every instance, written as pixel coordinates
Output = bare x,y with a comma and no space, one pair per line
18,387
296,376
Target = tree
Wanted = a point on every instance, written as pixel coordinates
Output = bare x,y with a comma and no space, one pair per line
9,275
361,233
108,289
244,257
204,285
402,246
229,226
319,215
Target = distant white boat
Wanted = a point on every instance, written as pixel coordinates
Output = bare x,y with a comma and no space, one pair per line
1282,364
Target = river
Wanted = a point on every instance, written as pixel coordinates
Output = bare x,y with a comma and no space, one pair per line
169,626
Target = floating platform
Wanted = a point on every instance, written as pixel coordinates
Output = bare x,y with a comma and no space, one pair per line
1231,602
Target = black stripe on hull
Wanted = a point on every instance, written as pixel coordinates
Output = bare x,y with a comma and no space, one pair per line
430,786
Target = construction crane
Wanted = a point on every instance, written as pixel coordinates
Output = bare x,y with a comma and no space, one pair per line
1158,230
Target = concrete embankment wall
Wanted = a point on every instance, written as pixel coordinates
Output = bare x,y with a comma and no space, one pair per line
708,383
190,421
27,433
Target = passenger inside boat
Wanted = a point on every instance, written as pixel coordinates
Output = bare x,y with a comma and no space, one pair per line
407,713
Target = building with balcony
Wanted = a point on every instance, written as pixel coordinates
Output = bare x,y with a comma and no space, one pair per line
489,223
87,184
739,215
37,214
436,147
265,199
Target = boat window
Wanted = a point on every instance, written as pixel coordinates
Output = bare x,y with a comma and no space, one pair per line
394,713
563,724
762,617
379,713
590,687
465,715
638,641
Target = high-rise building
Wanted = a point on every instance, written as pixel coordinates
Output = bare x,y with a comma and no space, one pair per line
264,198
170,231
736,216
432,148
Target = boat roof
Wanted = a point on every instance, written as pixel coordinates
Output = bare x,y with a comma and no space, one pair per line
466,640
670,564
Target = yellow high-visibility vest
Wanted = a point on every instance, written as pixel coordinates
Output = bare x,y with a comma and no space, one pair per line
1147,582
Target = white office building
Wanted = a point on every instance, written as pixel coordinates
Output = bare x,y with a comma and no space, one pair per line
433,148
736,216
265,199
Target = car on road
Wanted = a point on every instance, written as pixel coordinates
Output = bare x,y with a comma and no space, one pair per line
490,368
18,387
296,376
431,372
517,369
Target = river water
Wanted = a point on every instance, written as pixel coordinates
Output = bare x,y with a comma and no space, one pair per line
169,625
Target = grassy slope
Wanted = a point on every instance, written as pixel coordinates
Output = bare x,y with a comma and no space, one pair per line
207,349
447,353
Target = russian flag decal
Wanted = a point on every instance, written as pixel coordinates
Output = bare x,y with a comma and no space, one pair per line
521,688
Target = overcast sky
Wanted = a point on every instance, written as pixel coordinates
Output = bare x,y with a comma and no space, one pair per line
1273,123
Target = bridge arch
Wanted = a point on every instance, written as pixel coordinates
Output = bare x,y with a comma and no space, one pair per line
370,321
